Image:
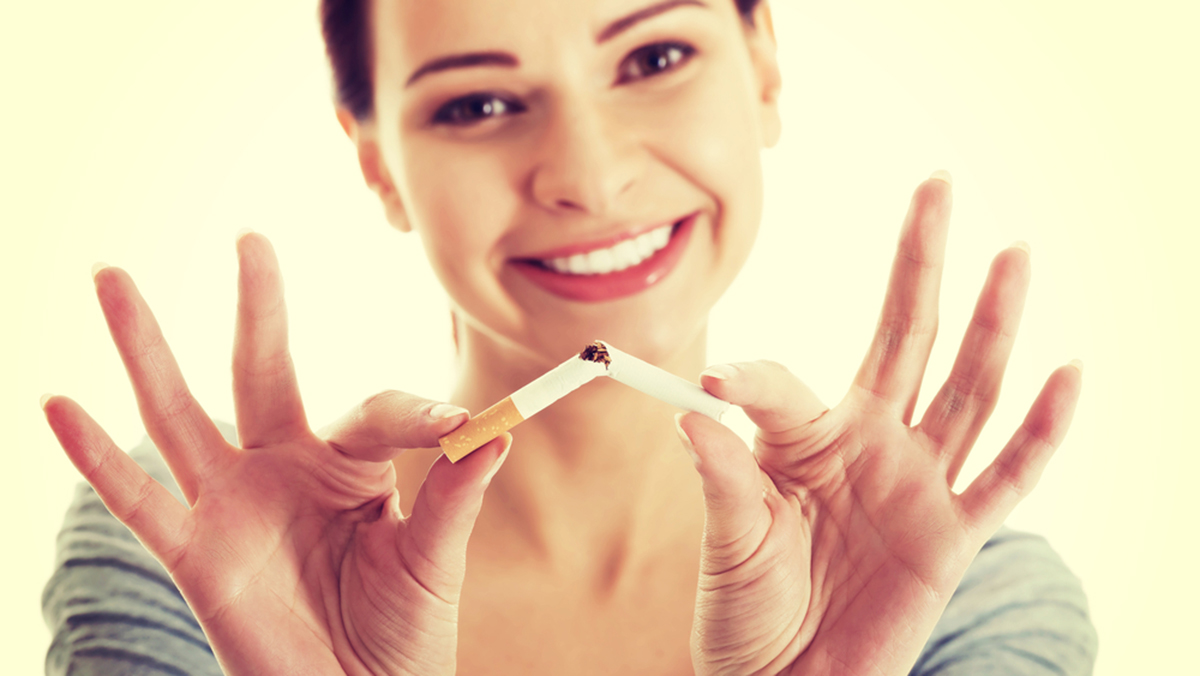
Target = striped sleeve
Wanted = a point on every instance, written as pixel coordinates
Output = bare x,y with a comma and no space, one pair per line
110,607
1018,610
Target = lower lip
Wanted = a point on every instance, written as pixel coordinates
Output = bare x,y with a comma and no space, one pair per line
614,285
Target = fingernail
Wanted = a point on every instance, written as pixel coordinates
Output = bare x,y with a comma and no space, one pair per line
686,440
1078,364
45,398
942,175
1020,244
443,411
487,478
242,233
97,268
720,371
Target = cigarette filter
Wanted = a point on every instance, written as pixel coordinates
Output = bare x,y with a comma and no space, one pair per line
515,408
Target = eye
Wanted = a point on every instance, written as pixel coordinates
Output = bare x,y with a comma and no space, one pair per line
653,60
475,108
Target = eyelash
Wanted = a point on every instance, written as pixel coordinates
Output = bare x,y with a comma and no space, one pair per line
474,108
478,107
676,54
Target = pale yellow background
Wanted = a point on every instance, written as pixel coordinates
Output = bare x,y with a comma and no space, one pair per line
147,133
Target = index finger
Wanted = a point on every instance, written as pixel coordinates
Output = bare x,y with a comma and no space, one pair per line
381,426
774,399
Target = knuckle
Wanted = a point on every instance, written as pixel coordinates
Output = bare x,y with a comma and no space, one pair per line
272,365
900,330
954,400
134,513
992,326
1040,432
1012,479
177,403
962,395
959,392
146,347
97,472
917,258
261,313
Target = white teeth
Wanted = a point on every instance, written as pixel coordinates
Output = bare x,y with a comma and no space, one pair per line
645,248
602,261
626,254
659,238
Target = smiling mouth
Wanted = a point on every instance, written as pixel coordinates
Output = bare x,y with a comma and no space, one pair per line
620,256
603,273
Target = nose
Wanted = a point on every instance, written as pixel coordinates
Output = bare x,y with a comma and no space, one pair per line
587,159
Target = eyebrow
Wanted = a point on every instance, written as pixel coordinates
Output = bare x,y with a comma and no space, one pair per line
503,59
507,60
623,24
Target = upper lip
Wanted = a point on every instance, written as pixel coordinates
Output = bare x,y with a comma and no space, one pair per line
600,242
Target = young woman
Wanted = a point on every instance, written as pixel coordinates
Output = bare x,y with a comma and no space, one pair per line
576,169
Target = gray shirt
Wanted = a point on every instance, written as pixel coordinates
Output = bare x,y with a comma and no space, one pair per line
114,611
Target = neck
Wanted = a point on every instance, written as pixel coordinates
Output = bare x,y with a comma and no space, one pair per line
595,484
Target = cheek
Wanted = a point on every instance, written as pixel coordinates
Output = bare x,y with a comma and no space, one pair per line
711,136
460,203
709,131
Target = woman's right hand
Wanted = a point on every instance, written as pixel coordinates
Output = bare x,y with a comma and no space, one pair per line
292,551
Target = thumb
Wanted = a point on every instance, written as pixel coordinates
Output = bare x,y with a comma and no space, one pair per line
443,517
736,515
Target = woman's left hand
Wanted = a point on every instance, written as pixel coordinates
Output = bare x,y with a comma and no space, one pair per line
834,547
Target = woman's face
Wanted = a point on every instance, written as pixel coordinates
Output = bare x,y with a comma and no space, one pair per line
577,169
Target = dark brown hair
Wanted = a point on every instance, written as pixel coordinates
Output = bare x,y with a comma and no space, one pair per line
345,27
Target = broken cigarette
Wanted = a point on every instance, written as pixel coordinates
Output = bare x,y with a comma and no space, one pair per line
597,359
518,406
660,384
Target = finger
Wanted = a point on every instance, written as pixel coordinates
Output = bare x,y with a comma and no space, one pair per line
135,499
189,441
961,408
736,517
265,393
444,514
896,360
379,428
772,397
1013,474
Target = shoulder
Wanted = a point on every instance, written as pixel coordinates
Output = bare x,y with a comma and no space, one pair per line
109,605
1018,610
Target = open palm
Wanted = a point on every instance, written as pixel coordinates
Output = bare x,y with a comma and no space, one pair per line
834,547
291,552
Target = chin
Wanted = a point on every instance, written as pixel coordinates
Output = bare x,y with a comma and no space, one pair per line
660,334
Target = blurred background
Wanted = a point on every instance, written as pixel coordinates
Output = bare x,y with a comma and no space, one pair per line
146,134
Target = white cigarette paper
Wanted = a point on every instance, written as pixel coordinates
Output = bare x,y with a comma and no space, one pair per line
662,385
555,384
598,359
